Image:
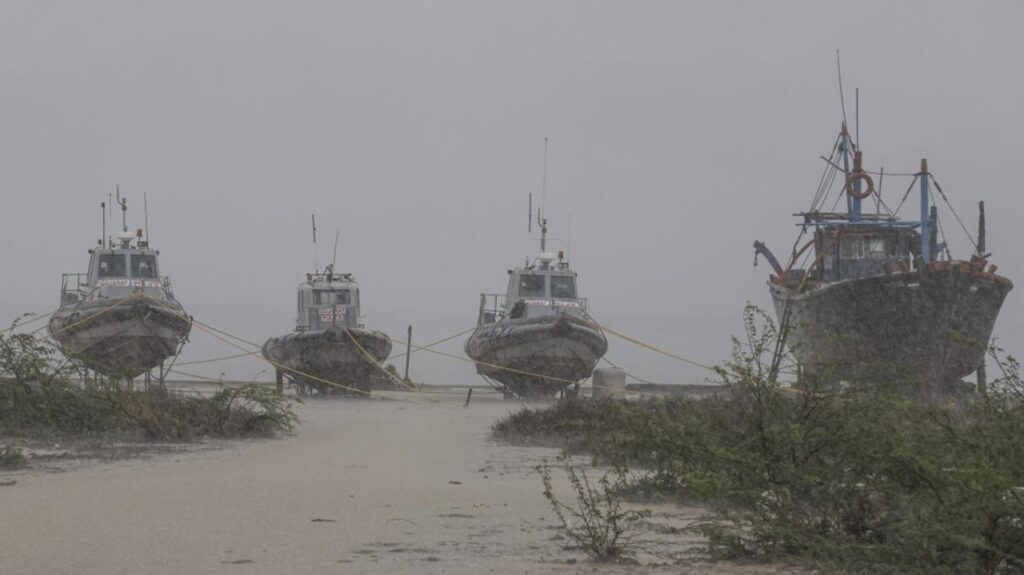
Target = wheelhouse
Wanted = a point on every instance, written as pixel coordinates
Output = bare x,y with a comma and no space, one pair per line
327,300
856,251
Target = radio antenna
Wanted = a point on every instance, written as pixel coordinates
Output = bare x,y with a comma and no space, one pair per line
103,238
541,220
334,260
145,211
856,116
124,209
839,72
315,264
568,239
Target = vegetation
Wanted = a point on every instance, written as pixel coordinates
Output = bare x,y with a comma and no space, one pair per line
597,522
37,399
11,458
859,479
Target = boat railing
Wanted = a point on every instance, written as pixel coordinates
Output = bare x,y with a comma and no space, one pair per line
492,308
73,288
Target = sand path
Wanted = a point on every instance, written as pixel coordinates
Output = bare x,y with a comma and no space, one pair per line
361,487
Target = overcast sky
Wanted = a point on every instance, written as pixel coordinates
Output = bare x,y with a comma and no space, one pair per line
679,133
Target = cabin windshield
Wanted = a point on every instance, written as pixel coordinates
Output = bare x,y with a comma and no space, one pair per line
563,287
113,266
332,297
143,266
531,285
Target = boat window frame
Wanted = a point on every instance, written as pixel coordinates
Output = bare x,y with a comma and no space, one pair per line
347,292
543,284
106,259
560,278
136,267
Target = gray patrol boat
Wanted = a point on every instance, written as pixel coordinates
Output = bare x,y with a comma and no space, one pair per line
537,338
329,352
120,318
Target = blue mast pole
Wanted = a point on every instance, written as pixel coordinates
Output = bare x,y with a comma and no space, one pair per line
926,232
844,145
852,204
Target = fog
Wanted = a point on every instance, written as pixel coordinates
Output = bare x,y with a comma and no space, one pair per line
678,134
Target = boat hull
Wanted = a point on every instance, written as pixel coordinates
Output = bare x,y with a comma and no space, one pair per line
537,357
118,339
930,327
315,357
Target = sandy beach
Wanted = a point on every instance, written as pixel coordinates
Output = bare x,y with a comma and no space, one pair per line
362,486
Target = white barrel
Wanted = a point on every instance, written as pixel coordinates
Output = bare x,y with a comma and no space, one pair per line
609,382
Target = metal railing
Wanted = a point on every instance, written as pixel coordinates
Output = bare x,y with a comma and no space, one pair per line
492,306
79,282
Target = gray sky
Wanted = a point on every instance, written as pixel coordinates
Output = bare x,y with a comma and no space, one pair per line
680,132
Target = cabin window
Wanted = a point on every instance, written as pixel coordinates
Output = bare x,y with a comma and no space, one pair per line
563,287
143,266
876,248
332,297
531,285
113,266
858,248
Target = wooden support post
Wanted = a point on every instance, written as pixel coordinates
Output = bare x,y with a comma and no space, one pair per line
408,353
280,383
469,394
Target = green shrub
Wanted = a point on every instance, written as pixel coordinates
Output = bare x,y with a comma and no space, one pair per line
597,522
36,399
859,478
11,458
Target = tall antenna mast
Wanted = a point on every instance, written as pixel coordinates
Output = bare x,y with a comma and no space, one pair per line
103,238
856,118
315,264
124,208
839,72
529,214
145,210
541,220
568,240
334,260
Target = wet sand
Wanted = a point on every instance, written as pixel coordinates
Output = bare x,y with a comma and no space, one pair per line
362,486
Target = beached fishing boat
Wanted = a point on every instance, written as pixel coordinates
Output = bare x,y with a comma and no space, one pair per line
871,295
329,352
537,338
120,318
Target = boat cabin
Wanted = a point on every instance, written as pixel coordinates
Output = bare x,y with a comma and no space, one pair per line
327,300
545,288
117,272
852,251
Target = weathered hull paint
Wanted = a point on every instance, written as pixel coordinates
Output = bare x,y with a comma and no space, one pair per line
931,327
562,349
331,355
120,340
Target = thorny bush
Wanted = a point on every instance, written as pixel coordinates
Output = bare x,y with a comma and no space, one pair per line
597,522
858,478
37,399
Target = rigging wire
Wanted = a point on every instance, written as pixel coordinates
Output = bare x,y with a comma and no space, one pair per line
955,215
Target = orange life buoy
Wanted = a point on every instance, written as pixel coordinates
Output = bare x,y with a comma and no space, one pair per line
860,176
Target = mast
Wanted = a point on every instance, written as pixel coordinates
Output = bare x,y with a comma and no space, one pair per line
926,234
981,228
852,203
543,198
124,210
